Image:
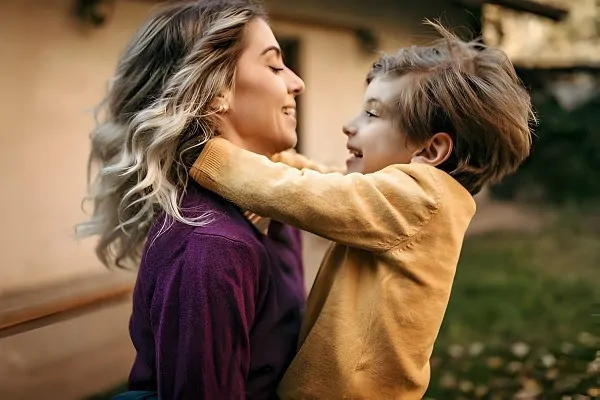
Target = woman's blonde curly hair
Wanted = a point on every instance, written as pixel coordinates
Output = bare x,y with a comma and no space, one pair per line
158,113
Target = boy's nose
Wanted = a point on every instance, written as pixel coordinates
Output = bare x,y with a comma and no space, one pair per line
349,130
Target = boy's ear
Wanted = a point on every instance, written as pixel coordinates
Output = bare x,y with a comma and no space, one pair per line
436,150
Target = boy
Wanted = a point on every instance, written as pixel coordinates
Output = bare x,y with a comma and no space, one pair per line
439,123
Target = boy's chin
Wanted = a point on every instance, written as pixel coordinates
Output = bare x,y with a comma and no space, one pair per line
354,165
354,171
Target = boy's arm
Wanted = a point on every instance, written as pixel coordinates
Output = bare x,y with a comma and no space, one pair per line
374,212
299,161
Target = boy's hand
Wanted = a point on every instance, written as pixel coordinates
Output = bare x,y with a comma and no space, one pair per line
296,160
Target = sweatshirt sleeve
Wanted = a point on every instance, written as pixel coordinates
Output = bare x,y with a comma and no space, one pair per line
203,337
374,211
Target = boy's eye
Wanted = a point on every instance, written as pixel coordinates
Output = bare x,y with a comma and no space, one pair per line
276,70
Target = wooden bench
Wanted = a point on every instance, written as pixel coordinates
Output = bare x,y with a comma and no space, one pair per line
24,311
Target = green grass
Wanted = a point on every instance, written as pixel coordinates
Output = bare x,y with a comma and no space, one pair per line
541,290
541,287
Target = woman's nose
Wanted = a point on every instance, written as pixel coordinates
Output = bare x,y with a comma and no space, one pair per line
296,84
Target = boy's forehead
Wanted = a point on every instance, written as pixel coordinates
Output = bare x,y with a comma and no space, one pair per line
385,89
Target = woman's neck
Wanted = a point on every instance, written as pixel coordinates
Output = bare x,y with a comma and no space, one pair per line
228,132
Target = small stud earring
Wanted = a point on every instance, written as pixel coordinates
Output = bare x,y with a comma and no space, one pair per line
223,108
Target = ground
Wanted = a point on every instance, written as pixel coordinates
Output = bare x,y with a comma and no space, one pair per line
523,317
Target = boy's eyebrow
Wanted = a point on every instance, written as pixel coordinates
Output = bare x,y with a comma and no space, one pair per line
372,101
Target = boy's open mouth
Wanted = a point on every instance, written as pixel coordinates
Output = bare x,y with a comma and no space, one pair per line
354,152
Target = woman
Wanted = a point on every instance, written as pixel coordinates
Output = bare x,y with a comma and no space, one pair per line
217,304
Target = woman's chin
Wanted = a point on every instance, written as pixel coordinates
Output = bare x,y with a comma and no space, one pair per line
288,140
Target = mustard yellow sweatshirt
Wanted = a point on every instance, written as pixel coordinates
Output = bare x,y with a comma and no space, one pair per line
379,298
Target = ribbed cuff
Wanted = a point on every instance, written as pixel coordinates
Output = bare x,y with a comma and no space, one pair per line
208,164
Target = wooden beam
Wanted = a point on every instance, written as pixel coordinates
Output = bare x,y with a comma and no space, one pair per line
591,68
533,7
33,309
527,6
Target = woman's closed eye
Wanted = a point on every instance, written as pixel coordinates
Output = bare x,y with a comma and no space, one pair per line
372,113
276,70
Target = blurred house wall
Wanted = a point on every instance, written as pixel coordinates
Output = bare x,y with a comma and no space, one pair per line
574,41
53,72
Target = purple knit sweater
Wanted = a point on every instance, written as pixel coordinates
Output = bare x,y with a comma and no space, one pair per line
216,309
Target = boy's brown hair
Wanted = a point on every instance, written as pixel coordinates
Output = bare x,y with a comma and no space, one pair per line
471,92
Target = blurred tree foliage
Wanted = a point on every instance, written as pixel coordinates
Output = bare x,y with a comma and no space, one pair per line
564,166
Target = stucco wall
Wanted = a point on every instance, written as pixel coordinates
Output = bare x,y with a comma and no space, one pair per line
51,74
54,72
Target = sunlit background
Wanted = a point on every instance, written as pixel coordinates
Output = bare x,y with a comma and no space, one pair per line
524,317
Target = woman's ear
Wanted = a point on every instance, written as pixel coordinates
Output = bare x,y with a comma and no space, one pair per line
436,150
222,104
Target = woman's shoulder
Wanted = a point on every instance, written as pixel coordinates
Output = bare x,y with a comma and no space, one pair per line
192,266
215,228
218,224
195,256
